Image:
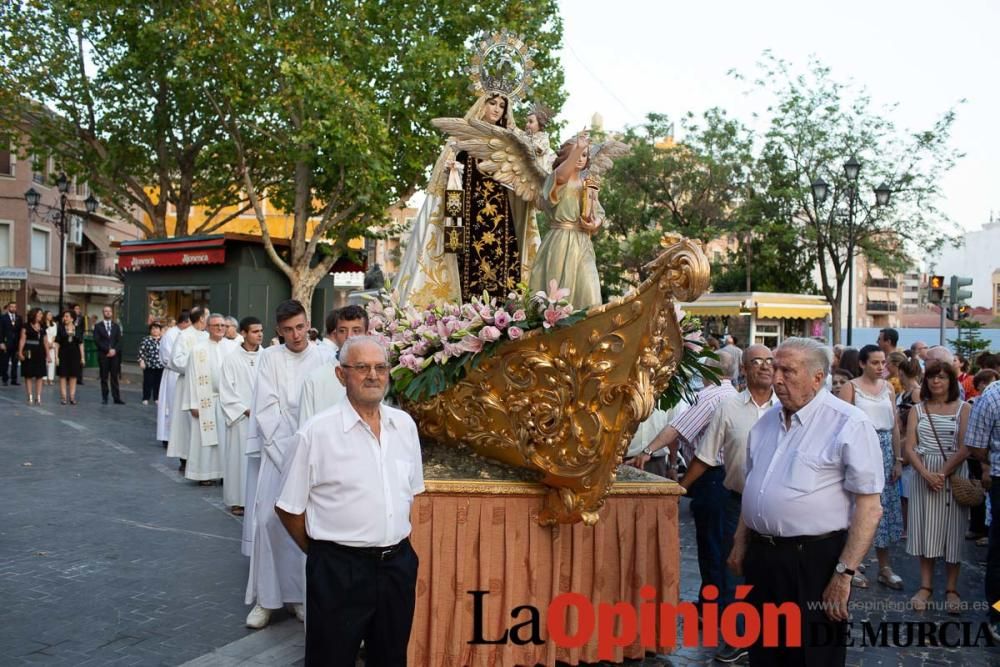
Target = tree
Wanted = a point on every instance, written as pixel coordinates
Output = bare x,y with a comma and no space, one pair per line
692,188
333,102
969,341
103,87
816,125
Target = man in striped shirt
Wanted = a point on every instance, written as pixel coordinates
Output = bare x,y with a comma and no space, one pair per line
708,495
982,437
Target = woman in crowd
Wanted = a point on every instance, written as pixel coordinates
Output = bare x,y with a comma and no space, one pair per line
838,378
69,352
892,363
875,398
910,376
978,530
965,378
33,351
150,363
849,362
50,334
934,447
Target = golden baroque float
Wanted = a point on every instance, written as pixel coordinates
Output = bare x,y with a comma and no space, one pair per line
566,402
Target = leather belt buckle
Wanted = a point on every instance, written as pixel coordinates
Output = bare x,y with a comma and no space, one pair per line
385,553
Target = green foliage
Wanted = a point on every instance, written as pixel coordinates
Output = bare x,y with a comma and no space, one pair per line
968,340
816,124
102,86
333,101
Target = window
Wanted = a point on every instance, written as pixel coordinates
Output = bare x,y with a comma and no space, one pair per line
6,243
39,249
38,169
6,159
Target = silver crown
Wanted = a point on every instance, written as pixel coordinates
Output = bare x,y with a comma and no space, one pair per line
502,65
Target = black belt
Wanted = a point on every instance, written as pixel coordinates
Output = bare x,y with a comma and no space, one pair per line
378,553
777,541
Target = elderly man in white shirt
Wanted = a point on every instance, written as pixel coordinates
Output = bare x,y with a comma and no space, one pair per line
811,505
725,440
345,500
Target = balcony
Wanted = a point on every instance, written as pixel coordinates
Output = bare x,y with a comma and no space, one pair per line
883,283
882,307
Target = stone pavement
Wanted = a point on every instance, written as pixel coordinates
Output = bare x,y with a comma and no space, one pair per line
109,557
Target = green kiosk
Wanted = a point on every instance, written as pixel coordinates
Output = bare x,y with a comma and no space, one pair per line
229,273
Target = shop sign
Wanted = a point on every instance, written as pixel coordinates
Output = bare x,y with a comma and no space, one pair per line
13,273
147,260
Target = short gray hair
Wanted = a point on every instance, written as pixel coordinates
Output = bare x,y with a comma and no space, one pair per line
940,353
818,355
212,316
355,341
232,321
727,364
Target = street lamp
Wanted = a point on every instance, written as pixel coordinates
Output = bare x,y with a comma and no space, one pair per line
820,190
58,219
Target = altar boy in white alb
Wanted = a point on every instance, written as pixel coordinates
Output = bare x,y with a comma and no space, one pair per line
180,429
168,382
203,408
239,377
322,388
277,566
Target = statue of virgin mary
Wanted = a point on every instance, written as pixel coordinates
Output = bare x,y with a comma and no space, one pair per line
501,237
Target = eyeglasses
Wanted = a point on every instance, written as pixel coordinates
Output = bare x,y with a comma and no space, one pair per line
758,362
365,369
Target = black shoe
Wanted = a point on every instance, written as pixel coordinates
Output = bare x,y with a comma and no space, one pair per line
119,401
104,401
15,383
5,383
79,383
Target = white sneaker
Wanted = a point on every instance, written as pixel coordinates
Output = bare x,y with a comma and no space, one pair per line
258,617
145,402
300,612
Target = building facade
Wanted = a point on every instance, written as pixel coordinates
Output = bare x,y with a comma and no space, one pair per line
30,241
974,257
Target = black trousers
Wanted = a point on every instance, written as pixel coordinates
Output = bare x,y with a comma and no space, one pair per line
352,596
110,370
992,580
797,572
8,359
151,383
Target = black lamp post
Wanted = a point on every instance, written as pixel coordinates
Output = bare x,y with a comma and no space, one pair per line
58,219
820,190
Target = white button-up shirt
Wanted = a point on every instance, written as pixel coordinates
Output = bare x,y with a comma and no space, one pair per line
800,479
726,436
355,489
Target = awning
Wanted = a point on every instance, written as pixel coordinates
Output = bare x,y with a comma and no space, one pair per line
792,311
145,254
710,310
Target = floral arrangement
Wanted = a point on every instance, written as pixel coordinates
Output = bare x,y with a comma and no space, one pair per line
431,349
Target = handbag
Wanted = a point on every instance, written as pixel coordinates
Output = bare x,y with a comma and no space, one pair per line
966,492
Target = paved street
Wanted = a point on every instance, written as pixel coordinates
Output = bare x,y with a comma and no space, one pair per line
108,557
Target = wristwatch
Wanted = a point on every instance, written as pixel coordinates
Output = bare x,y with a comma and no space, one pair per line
843,569
647,451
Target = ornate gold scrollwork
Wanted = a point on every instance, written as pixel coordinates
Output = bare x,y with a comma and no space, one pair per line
567,402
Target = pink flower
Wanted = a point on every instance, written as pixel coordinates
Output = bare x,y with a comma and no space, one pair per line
411,361
678,312
555,293
489,334
553,315
501,319
519,315
515,332
471,344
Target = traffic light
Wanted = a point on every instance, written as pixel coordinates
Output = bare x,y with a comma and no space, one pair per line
935,293
956,292
964,311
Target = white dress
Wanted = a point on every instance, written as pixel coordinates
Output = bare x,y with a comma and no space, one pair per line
277,565
168,383
239,376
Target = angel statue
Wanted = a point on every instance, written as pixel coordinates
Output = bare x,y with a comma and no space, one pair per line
569,193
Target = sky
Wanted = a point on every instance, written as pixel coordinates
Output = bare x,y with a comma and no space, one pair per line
627,58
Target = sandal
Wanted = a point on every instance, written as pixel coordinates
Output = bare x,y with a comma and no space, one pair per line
920,603
859,580
952,606
890,579
236,511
